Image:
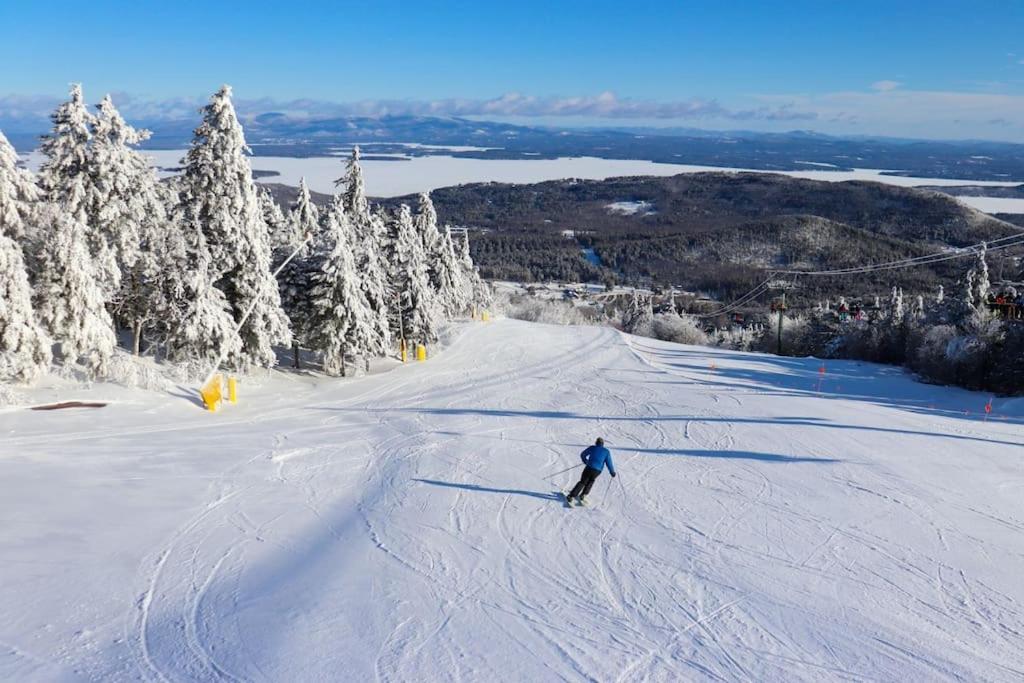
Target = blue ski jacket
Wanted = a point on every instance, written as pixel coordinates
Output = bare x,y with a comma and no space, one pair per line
595,457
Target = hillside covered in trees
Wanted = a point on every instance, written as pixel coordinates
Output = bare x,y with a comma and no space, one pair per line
715,233
206,270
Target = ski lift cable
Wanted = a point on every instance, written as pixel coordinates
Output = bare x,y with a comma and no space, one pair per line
994,245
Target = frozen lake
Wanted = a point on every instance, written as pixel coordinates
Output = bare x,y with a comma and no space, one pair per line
420,174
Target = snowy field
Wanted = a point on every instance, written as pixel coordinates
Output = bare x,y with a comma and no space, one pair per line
772,524
424,173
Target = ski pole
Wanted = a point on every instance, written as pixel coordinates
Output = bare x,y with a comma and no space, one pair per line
561,472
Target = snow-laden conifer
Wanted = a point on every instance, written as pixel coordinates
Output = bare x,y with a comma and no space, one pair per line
357,206
18,194
65,179
196,316
277,225
370,247
442,263
24,345
415,303
220,197
68,296
449,275
127,211
294,281
340,322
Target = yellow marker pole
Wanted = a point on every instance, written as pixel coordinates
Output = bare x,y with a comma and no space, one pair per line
405,353
485,316
421,352
232,389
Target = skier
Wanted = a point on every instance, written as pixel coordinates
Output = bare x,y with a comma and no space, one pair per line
594,457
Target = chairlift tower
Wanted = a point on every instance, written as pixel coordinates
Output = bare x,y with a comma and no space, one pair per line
779,285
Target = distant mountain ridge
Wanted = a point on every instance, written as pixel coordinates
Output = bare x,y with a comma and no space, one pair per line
283,134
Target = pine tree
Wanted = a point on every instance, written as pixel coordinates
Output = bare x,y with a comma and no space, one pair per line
896,305
198,325
127,208
24,345
639,315
340,321
118,199
147,281
65,180
982,284
442,263
371,247
69,298
220,198
356,204
277,225
294,280
415,305
18,195
475,292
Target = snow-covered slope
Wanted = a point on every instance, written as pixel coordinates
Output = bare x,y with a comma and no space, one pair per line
771,524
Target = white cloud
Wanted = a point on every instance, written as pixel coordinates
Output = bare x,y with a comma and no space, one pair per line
885,86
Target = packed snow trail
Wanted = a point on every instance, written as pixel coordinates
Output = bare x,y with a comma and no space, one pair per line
771,524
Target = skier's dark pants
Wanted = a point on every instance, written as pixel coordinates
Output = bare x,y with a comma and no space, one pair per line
585,483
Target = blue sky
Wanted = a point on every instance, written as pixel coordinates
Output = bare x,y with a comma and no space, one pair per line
931,69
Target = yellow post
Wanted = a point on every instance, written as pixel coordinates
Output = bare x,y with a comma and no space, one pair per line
232,389
474,313
485,316
212,393
421,352
405,354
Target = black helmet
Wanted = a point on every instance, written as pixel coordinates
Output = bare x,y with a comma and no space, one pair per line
600,441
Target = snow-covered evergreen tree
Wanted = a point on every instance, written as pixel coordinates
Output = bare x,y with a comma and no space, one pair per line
371,248
24,345
69,299
220,197
416,313
65,180
303,217
127,209
982,285
896,305
426,223
442,262
449,274
18,194
638,317
196,316
340,322
356,204
120,193
295,279
147,281
277,225
476,293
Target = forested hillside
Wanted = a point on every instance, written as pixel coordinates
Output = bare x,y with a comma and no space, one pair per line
714,233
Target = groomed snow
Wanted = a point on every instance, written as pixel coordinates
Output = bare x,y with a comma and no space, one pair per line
768,524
